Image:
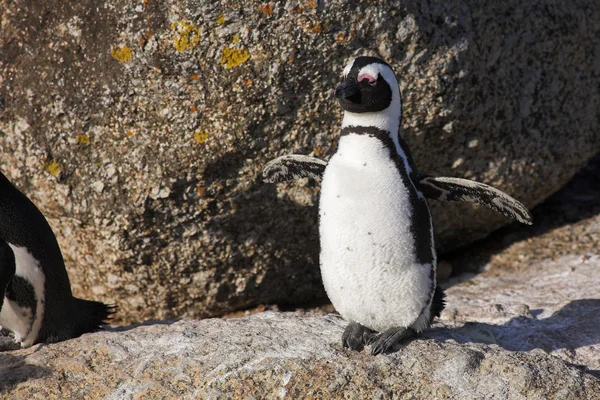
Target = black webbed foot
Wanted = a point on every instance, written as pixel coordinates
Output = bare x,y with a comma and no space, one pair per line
387,340
356,336
7,341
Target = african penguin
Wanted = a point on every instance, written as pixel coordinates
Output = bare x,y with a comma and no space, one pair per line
378,259
36,303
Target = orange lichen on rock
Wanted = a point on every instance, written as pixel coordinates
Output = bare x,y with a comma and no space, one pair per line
316,29
187,35
266,9
121,53
145,37
233,57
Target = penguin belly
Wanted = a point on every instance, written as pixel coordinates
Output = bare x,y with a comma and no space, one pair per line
23,307
17,319
368,254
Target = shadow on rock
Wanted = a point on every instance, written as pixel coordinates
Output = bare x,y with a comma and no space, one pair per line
14,370
279,255
574,326
507,93
579,200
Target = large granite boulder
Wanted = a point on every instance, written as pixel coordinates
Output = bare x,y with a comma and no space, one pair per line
507,336
140,128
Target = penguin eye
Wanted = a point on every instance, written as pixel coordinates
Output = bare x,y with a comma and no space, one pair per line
370,79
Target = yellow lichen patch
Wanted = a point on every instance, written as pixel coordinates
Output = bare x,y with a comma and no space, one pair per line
187,35
266,9
235,39
201,136
53,168
83,139
233,57
121,53
220,19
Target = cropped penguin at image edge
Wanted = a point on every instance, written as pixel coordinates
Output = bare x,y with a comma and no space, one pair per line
36,303
378,259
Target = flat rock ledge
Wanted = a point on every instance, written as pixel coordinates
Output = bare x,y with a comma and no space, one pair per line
531,334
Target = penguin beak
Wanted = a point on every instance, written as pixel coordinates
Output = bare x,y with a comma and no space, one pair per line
347,89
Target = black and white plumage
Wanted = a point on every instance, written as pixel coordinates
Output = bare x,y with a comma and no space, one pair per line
294,166
36,303
378,258
456,189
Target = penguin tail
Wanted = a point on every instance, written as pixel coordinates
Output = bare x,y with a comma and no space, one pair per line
89,316
439,301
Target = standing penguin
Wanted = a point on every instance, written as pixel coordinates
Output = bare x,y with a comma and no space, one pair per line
36,303
378,259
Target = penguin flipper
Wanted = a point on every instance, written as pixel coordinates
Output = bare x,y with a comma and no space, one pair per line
456,189
293,166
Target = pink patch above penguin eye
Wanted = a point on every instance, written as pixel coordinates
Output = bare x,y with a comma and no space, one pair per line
371,79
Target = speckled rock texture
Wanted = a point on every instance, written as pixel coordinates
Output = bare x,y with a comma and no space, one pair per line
567,223
512,335
140,128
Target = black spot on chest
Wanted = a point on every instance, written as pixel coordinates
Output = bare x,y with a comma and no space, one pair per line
20,291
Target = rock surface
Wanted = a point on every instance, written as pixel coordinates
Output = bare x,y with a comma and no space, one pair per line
567,223
139,128
513,335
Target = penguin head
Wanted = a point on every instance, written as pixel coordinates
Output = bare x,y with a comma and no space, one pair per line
369,86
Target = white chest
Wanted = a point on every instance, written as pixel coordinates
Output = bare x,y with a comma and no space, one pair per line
368,258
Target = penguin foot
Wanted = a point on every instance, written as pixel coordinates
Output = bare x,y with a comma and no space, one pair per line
356,336
387,340
7,341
